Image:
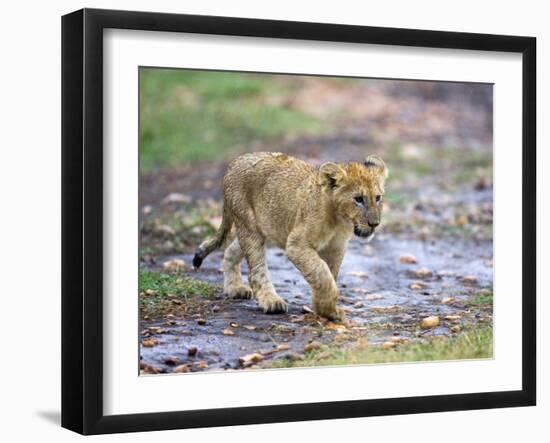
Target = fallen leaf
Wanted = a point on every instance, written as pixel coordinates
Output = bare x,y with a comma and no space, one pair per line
150,342
372,297
250,359
445,273
398,339
164,229
176,197
201,364
228,332
390,308
312,346
361,274
323,355
181,369
146,368
417,285
334,326
174,265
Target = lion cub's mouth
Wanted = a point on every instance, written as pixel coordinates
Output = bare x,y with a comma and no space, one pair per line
364,233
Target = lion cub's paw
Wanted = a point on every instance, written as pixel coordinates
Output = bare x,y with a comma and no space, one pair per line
337,315
330,312
272,303
238,291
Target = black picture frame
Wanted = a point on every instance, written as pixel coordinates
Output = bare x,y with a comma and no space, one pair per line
82,220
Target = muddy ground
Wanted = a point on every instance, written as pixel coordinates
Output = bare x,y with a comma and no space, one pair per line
432,257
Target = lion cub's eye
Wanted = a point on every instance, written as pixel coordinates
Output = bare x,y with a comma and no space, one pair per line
378,198
359,199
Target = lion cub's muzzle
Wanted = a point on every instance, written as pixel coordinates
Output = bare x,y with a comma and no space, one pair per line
364,232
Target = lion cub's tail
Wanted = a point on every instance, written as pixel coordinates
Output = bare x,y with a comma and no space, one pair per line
209,245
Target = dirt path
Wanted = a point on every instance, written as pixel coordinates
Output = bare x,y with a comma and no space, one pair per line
376,293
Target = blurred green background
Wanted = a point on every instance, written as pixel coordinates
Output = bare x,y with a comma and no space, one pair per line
193,115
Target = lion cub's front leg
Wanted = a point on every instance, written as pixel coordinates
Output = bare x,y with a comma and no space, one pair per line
319,276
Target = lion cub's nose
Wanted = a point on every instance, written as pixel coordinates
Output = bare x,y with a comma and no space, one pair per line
373,225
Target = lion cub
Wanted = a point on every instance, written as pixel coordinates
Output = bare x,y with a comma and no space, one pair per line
272,198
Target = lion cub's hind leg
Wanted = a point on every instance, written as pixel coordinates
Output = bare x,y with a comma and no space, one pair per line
233,285
253,247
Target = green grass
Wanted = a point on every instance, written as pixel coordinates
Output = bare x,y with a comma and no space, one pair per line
164,284
189,115
158,291
482,299
471,345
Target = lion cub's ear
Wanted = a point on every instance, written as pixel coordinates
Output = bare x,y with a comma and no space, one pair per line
331,174
373,161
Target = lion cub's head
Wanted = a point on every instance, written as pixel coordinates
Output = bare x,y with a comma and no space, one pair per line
356,191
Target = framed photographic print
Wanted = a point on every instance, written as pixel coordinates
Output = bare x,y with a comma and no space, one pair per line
269,221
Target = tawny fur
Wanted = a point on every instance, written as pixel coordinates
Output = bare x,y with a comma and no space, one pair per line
272,198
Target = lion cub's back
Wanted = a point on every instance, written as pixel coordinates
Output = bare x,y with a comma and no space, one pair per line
268,182
259,170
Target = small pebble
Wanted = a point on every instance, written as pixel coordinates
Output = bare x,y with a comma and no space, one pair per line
421,273
429,322
469,279
408,259
172,360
